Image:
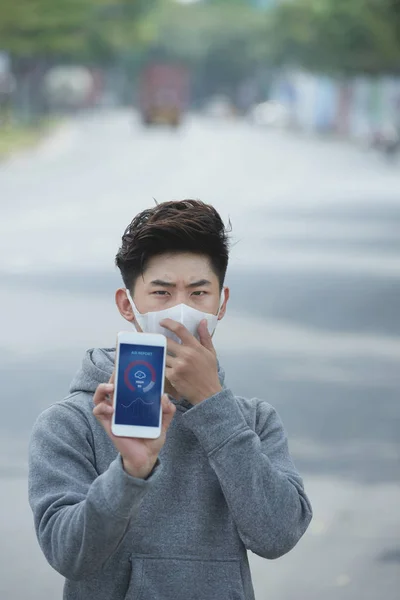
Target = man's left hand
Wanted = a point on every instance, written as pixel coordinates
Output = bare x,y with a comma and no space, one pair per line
191,367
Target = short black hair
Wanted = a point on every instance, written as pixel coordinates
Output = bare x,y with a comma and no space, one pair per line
176,226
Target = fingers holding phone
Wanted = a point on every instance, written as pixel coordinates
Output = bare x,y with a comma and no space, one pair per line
103,399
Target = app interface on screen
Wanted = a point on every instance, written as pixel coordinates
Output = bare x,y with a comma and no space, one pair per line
139,385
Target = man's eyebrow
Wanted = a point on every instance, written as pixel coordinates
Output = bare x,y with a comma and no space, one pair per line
169,284
161,283
199,283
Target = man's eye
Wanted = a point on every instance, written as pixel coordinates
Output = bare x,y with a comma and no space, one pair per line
199,293
160,293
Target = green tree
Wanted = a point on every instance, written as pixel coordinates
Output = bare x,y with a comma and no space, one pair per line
70,28
336,35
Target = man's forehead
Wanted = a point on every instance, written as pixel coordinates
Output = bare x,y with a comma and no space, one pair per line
185,269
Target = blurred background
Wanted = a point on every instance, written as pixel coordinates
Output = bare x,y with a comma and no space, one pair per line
285,115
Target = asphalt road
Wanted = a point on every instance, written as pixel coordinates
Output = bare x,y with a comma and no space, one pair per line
313,323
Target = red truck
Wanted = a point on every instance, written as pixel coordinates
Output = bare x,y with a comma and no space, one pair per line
163,94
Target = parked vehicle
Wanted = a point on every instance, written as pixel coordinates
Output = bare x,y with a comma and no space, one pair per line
163,94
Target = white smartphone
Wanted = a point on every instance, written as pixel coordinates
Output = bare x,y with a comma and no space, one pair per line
139,384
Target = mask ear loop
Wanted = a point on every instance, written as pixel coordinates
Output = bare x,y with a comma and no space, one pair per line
136,313
222,300
133,305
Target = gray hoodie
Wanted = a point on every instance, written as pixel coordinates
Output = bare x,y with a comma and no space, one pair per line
224,483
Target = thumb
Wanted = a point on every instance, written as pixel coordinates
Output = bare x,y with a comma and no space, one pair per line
168,411
204,335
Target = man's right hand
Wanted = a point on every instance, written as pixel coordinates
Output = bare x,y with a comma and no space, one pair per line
138,455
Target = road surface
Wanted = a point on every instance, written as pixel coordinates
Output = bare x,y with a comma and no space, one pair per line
313,323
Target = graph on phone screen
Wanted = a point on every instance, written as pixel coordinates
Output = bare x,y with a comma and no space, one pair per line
139,385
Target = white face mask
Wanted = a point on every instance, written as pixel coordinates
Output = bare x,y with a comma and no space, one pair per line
182,313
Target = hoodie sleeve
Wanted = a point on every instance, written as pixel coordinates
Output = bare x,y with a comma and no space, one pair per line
80,517
261,486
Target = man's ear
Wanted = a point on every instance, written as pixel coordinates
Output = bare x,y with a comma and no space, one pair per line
225,302
124,306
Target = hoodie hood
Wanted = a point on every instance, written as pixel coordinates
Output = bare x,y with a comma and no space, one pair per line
97,367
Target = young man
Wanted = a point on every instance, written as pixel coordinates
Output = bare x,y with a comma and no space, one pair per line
171,518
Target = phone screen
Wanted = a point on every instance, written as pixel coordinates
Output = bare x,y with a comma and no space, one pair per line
139,385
